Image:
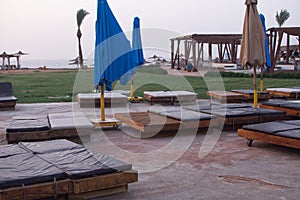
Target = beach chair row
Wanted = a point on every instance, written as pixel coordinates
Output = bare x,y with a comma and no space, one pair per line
163,119
238,96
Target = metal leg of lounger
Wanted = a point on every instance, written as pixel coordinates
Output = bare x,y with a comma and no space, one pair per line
249,143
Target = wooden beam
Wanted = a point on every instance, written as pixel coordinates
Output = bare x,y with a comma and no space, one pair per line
210,51
37,191
172,54
178,55
287,59
271,49
220,50
273,139
194,53
277,50
104,181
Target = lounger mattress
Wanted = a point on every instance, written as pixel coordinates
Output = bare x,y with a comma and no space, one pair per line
76,161
271,127
26,169
28,124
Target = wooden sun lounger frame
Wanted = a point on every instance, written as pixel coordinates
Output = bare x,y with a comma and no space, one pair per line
248,97
234,123
8,105
225,96
140,122
16,137
74,134
269,138
283,94
171,98
69,134
289,111
85,188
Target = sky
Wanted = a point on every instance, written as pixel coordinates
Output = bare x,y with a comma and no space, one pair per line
47,28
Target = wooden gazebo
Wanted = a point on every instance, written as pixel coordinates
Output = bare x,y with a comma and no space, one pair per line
194,44
275,38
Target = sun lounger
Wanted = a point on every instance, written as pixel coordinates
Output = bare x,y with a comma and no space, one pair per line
72,126
28,128
237,115
27,176
189,119
287,93
84,164
7,99
148,124
290,107
225,96
167,119
285,133
170,97
92,100
248,95
60,168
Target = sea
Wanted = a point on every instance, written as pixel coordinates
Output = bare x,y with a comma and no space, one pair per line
49,64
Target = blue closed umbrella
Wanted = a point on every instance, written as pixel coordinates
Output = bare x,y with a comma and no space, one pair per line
137,53
268,57
112,52
112,56
267,52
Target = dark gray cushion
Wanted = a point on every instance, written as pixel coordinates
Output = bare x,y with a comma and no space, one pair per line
188,115
49,146
26,169
28,124
263,111
11,150
295,134
271,127
75,160
274,103
6,89
294,122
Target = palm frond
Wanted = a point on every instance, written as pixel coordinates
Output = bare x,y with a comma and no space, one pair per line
282,17
80,16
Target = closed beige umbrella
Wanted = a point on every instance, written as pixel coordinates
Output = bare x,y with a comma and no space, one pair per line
253,46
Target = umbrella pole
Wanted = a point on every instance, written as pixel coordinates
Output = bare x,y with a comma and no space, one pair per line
132,87
255,89
105,122
132,98
102,104
261,85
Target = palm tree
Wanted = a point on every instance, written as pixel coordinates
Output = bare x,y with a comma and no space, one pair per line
282,17
80,16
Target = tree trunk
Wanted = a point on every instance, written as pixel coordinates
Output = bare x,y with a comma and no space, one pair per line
80,49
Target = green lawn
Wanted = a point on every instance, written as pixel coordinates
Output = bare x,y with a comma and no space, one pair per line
41,87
